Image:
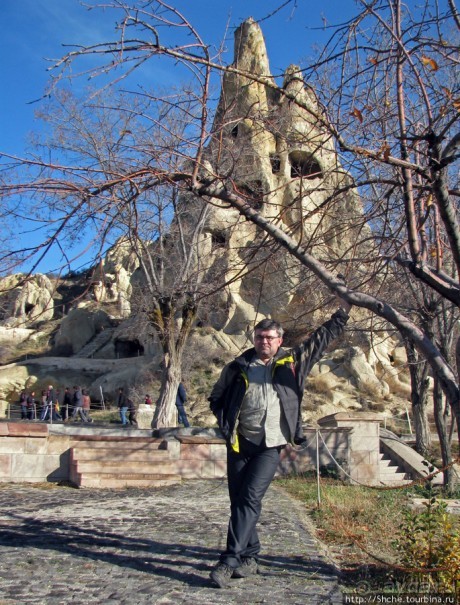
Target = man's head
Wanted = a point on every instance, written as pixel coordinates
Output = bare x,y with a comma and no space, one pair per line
268,337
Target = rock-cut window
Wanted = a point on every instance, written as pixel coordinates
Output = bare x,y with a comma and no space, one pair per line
304,165
253,191
275,162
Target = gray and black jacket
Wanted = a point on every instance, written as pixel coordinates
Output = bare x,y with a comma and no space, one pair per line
290,370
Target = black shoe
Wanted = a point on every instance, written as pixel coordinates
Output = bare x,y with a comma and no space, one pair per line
221,575
247,568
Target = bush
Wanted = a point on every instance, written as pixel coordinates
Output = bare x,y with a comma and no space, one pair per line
430,540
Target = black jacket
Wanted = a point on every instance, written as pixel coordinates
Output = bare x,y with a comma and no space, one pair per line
290,370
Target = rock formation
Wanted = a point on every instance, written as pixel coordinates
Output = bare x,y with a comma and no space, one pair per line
277,152
26,300
280,155
111,281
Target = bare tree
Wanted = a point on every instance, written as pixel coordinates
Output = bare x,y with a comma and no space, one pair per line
382,96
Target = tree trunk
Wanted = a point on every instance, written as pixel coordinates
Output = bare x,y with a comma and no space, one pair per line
173,335
446,452
419,397
165,411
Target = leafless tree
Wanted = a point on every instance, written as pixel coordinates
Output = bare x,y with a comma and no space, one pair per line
390,113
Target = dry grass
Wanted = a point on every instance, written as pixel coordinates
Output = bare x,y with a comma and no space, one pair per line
355,522
359,526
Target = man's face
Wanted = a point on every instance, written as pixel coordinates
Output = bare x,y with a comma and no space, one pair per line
267,343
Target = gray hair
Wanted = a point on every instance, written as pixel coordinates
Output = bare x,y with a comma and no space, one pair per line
270,324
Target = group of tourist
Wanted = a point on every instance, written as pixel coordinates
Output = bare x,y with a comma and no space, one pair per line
74,404
127,408
56,405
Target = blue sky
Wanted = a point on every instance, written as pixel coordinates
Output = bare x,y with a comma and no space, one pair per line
36,30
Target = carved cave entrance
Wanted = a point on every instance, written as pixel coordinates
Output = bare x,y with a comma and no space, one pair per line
128,348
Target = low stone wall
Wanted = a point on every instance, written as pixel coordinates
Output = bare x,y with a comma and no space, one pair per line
28,454
364,444
348,446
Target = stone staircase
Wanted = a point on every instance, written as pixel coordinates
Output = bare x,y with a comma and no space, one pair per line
391,474
115,462
95,344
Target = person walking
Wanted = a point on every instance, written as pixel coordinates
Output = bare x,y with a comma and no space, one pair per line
122,406
31,406
257,403
49,404
131,412
78,404
67,404
86,405
181,398
23,404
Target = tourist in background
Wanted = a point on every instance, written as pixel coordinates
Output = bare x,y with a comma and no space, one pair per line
78,404
31,406
66,409
86,405
48,400
131,412
122,403
23,404
181,398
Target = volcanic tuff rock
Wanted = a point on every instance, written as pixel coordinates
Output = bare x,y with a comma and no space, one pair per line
25,301
279,154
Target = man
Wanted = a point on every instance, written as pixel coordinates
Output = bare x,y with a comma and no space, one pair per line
23,404
78,404
181,398
31,407
122,406
48,404
257,402
132,410
67,404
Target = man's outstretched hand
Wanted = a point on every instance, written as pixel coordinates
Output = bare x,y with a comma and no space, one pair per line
343,304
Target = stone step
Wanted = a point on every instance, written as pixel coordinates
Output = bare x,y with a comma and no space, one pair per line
95,344
109,454
390,473
149,445
117,456
116,462
123,466
112,480
395,482
121,449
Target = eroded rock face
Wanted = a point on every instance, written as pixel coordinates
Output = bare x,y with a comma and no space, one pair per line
112,278
278,153
24,303
78,328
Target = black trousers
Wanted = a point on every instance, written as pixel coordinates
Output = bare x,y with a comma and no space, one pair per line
250,472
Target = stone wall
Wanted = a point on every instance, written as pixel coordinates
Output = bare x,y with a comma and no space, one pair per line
36,453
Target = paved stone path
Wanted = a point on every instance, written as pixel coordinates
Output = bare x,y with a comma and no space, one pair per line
60,545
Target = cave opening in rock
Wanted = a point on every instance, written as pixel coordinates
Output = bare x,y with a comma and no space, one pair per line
254,192
304,165
275,162
28,308
128,348
219,238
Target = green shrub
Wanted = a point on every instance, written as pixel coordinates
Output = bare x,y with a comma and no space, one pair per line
430,540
